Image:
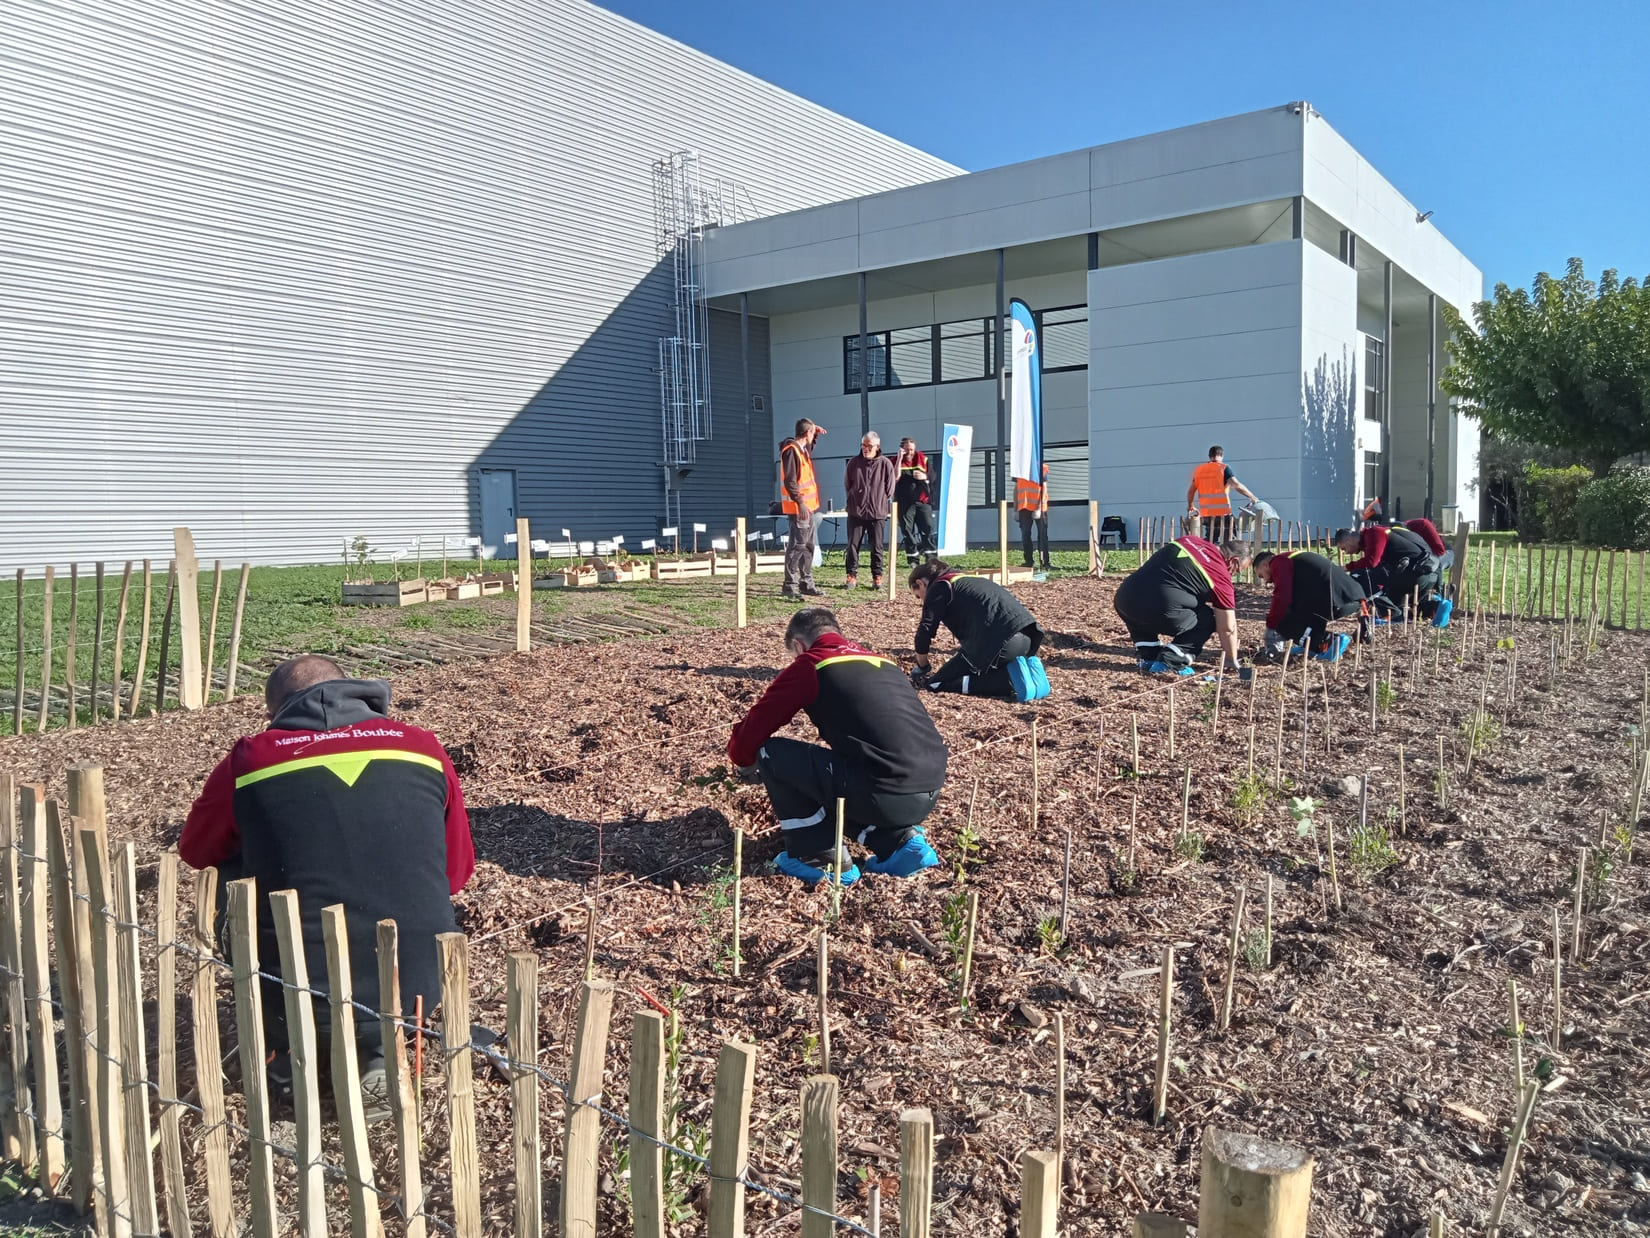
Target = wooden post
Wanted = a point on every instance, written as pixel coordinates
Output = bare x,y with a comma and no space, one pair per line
1002,540
35,920
1232,946
741,573
738,881
232,668
1165,1010
189,619
209,1059
166,1028
1252,1187
17,699
403,1106
212,632
45,650
1172,712
366,1221
582,1144
823,987
1060,1090
117,652
1517,1038
70,688
524,589
97,643
1140,544
166,637
1094,537
249,1031
1463,535
453,950
1039,1195
140,1174
647,1123
968,946
819,1156
71,946
1558,985
117,1209
18,1128
916,1172
730,1139
522,1035
306,1063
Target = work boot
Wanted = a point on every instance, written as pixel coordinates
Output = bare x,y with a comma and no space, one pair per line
811,590
790,591
850,582
908,861
375,1090
876,583
812,871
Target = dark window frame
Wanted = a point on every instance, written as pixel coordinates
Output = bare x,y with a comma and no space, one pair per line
882,342
986,458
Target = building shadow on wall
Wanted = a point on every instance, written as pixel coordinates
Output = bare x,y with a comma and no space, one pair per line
587,446
1329,400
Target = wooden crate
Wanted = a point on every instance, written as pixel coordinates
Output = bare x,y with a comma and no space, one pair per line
766,562
623,573
454,590
496,583
684,569
568,578
386,593
1016,573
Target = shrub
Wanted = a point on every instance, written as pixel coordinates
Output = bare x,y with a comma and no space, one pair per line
1548,503
1615,510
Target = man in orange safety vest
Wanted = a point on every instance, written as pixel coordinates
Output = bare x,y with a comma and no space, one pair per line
1031,502
800,490
1208,503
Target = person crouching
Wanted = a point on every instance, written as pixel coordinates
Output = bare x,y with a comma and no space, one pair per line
883,755
999,637
1177,599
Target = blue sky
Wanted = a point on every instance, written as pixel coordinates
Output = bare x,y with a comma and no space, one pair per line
1524,124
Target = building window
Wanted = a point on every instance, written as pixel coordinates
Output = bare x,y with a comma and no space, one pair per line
1374,377
1068,476
1372,475
961,351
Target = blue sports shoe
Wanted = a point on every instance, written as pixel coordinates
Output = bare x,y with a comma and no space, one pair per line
1440,618
1039,673
908,861
1332,650
1163,668
1022,680
808,874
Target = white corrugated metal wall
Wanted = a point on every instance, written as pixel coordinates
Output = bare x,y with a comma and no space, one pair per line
287,272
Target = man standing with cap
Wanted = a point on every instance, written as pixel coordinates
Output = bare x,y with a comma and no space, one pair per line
1207,499
801,500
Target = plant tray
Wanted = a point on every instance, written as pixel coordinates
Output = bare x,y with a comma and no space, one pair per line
622,573
764,562
454,590
386,593
567,578
496,583
683,569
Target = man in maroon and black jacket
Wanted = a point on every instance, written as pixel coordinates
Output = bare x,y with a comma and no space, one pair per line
1309,592
916,511
884,756
1394,563
344,805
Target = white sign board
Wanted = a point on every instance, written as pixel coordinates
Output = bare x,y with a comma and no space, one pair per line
953,531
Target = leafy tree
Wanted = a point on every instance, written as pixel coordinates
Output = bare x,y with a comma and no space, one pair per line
1564,366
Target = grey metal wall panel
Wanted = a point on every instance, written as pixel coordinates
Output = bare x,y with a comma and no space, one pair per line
287,273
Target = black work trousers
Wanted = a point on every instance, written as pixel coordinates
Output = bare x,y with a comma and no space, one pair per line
1406,580
1304,616
804,782
799,551
1027,520
859,529
960,675
1152,609
916,523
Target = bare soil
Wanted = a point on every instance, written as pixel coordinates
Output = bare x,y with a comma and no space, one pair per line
1377,1039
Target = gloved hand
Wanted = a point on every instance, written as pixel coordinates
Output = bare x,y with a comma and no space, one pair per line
1273,642
750,773
919,675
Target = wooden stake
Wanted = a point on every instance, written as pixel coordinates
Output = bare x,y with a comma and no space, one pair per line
1253,1187
1039,1194
249,1028
35,921
730,1139
17,698
45,650
1134,744
234,665
738,882
582,1143
741,574
72,947
398,1077
1558,985
1517,1038
209,1060
822,987
70,688
1233,945
453,950
916,1172
1172,712
1002,541
1403,808
1576,915
1220,682
1334,876
19,1129
1250,773
1186,801
1509,1163
212,631
134,1069
306,1063
836,864
97,643
647,1123
1165,1010
524,587
590,939
1035,777
1060,1090
166,637
1268,920
819,1156
968,945
189,619
116,1200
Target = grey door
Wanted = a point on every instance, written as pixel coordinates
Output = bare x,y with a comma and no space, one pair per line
498,511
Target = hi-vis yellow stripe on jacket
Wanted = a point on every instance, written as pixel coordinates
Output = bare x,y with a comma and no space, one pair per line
348,766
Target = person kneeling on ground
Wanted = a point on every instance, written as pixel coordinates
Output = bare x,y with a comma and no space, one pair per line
1394,567
1183,593
883,757
342,804
1308,592
998,636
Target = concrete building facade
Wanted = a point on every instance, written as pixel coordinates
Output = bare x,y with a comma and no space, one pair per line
1251,282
